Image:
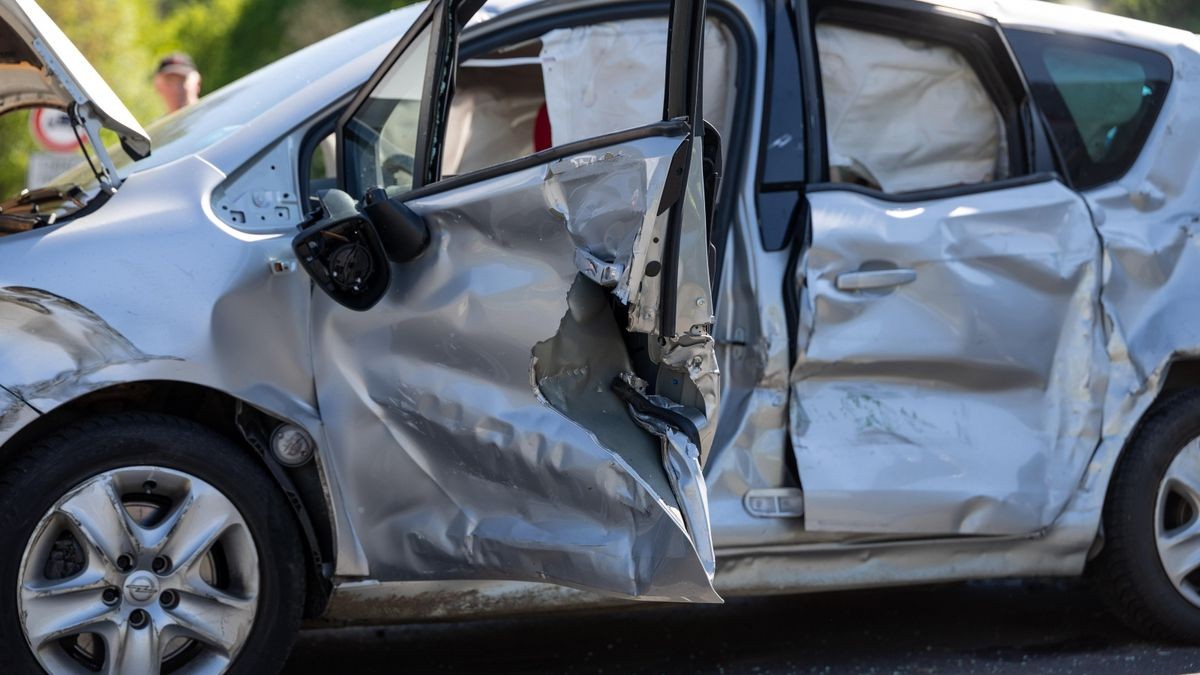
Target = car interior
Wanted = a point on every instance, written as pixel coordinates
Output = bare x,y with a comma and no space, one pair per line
567,85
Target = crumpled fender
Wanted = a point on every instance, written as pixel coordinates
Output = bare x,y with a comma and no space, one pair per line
54,349
14,414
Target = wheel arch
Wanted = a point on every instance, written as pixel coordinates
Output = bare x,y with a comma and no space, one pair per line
1179,375
219,412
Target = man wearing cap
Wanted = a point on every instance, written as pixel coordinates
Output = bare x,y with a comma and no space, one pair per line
177,81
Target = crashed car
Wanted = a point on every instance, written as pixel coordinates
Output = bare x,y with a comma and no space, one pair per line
606,300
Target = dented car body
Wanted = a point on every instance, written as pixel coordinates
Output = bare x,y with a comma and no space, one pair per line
635,357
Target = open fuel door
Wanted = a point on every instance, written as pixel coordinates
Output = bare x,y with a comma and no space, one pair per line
514,365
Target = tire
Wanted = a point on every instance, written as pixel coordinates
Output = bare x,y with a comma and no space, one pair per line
266,580
1130,571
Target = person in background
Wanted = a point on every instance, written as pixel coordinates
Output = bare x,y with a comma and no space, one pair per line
177,81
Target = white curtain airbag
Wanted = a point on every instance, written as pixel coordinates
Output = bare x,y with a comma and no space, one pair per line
905,115
610,77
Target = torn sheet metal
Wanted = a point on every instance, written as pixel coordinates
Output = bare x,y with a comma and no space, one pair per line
681,343
469,413
668,421
968,401
619,229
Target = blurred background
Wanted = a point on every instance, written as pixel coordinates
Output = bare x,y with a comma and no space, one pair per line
125,39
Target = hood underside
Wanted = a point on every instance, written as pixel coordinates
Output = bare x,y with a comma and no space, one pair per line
41,67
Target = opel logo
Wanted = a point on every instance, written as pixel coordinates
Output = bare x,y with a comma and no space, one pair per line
141,587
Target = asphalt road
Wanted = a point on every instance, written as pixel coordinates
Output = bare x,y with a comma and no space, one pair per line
1050,627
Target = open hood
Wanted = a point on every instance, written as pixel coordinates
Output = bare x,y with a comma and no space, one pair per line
41,67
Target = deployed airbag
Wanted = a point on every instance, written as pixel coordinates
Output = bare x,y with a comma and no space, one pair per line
609,77
904,114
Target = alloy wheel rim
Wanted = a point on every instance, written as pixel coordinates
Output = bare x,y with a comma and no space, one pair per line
1177,522
139,570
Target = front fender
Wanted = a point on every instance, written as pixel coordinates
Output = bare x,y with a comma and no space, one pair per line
53,349
15,414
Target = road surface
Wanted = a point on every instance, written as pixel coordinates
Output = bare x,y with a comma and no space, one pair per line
1045,627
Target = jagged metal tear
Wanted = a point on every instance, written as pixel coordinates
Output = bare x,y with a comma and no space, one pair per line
465,412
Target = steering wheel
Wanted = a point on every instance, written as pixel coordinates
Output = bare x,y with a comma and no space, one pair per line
399,163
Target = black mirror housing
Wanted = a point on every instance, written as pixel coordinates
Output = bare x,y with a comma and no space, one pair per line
404,233
342,252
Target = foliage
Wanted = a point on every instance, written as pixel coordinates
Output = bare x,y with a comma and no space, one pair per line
1179,13
227,38
100,30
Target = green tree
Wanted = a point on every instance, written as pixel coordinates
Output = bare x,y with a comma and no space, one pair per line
101,31
288,25
228,39
1178,13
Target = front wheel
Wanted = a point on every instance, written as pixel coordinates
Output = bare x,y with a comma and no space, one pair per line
146,544
1149,569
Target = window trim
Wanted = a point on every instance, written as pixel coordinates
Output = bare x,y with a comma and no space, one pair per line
429,19
936,194
322,126
665,128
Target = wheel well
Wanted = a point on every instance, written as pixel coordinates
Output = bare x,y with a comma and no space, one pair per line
1184,374
217,411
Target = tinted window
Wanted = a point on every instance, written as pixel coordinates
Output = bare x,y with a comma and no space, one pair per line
1100,99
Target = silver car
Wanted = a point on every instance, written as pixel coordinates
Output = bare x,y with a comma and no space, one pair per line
607,300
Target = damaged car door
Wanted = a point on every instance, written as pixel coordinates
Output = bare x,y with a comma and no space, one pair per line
514,365
949,326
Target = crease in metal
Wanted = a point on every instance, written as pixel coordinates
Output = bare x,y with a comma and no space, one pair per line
964,425
469,415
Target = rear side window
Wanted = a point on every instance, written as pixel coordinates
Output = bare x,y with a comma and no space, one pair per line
1100,99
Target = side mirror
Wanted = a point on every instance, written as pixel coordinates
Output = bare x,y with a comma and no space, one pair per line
342,252
405,235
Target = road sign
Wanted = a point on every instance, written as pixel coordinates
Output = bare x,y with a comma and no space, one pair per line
52,129
44,167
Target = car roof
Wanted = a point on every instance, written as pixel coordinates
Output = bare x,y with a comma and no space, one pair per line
1055,17
297,88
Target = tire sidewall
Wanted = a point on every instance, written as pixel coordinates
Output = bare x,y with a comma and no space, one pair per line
1131,513
31,487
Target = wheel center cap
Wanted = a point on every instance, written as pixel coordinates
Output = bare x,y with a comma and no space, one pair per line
141,587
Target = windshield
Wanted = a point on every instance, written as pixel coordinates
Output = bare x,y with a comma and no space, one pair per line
226,110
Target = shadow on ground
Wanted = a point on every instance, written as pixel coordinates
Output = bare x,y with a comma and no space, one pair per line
1050,627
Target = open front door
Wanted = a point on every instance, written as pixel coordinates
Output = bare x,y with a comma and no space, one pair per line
514,365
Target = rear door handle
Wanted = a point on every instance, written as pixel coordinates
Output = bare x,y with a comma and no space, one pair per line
875,279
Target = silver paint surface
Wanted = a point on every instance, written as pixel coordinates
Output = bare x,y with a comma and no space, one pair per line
470,411
156,286
14,413
967,401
